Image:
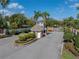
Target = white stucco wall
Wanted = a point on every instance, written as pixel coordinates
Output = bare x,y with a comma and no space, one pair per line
38,34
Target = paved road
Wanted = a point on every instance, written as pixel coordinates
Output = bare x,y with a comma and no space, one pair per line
45,48
7,40
7,47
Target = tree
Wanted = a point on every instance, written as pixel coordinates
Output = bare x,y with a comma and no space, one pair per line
37,14
18,19
1,21
69,22
45,16
77,41
30,22
4,3
52,22
49,22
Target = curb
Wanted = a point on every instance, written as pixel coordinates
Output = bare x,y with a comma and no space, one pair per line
62,45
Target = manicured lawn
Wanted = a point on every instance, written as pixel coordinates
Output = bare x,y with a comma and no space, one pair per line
67,55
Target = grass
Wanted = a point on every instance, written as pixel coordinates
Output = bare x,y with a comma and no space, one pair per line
67,55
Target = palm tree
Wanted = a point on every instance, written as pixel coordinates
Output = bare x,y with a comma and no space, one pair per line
37,14
45,16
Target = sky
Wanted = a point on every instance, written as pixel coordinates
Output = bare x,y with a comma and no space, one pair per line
57,9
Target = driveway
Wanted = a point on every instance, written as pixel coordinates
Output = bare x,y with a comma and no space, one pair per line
48,47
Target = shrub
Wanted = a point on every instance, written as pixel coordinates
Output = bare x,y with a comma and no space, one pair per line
25,36
76,26
10,31
68,36
67,29
77,41
31,35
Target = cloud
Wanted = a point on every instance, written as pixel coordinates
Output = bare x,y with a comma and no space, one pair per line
74,5
3,11
77,5
22,11
69,2
6,12
15,6
72,0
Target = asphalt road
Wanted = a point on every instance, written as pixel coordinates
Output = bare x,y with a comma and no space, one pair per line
48,47
7,46
7,40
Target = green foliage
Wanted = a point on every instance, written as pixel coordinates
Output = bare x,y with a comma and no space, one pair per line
76,41
44,15
69,22
37,14
3,22
31,35
30,22
76,26
52,22
68,36
67,55
4,3
66,29
17,19
25,36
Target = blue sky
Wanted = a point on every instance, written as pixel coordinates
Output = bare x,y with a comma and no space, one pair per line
58,9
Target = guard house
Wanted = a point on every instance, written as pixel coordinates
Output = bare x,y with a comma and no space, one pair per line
38,30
